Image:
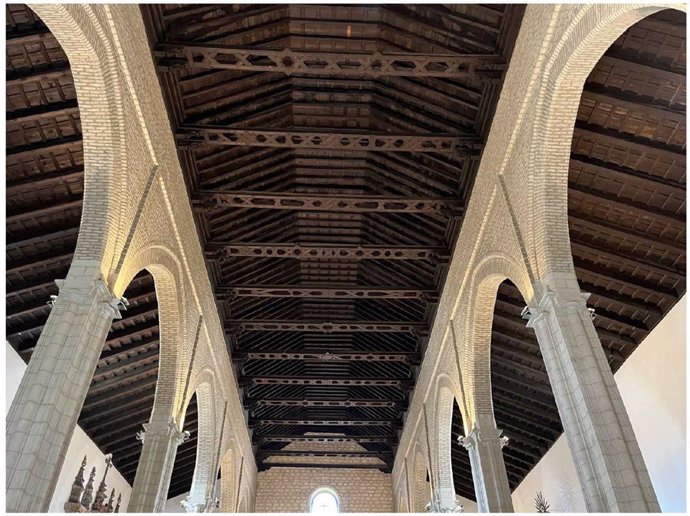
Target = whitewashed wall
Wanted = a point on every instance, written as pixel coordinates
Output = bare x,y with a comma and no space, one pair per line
175,504
652,384
79,446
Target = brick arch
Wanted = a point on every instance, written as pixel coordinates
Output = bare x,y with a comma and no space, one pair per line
168,279
93,66
206,447
228,479
419,487
447,393
589,35
485,279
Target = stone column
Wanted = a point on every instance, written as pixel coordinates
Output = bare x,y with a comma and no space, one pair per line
44,412
607,457
152,481
484,444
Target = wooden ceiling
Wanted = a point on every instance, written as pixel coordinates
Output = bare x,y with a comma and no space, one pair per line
329,184
328,257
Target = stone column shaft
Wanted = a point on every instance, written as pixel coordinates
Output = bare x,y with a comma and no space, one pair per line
152,480
489,475
607,457
44,412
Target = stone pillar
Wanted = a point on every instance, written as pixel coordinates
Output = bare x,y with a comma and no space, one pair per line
607,457
44,412
152,481
484,444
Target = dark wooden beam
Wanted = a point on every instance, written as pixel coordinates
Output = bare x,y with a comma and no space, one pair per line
608,274
631,259
191,136
629,206
313,291
209,199
301,380
659,72
213,56
92,401
617,139
45,73
33,212
49,147
46,111
263,402
216,249
366,356
608,228
121,381
134,361
244,325
255,422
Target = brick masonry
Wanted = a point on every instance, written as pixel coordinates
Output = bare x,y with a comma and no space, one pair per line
290,489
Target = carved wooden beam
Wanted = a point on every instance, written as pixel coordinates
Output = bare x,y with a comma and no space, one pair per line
243,325
217,249
191,136
233,291
206,199
289,62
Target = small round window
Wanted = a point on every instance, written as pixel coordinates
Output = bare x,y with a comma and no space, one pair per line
324,501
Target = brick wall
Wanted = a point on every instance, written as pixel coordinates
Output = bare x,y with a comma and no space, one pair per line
289,489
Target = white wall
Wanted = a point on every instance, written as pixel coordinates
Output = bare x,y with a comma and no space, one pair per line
79,446
175,504
652,384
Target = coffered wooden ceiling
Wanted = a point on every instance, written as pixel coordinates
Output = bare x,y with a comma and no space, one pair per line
329,183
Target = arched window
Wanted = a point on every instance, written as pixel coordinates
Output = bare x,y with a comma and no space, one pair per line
324,501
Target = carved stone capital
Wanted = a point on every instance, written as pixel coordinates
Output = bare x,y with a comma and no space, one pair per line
168,430
482,436
75,291
550,302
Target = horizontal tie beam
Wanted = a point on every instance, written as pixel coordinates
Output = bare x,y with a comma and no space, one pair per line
242,325
348,382
234,291
191,136
320,438
325,422
365,356
216,249
289,62
322,403
336,203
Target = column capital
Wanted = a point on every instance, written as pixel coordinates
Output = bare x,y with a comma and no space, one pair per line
551,301
482,436
85,291
160,429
